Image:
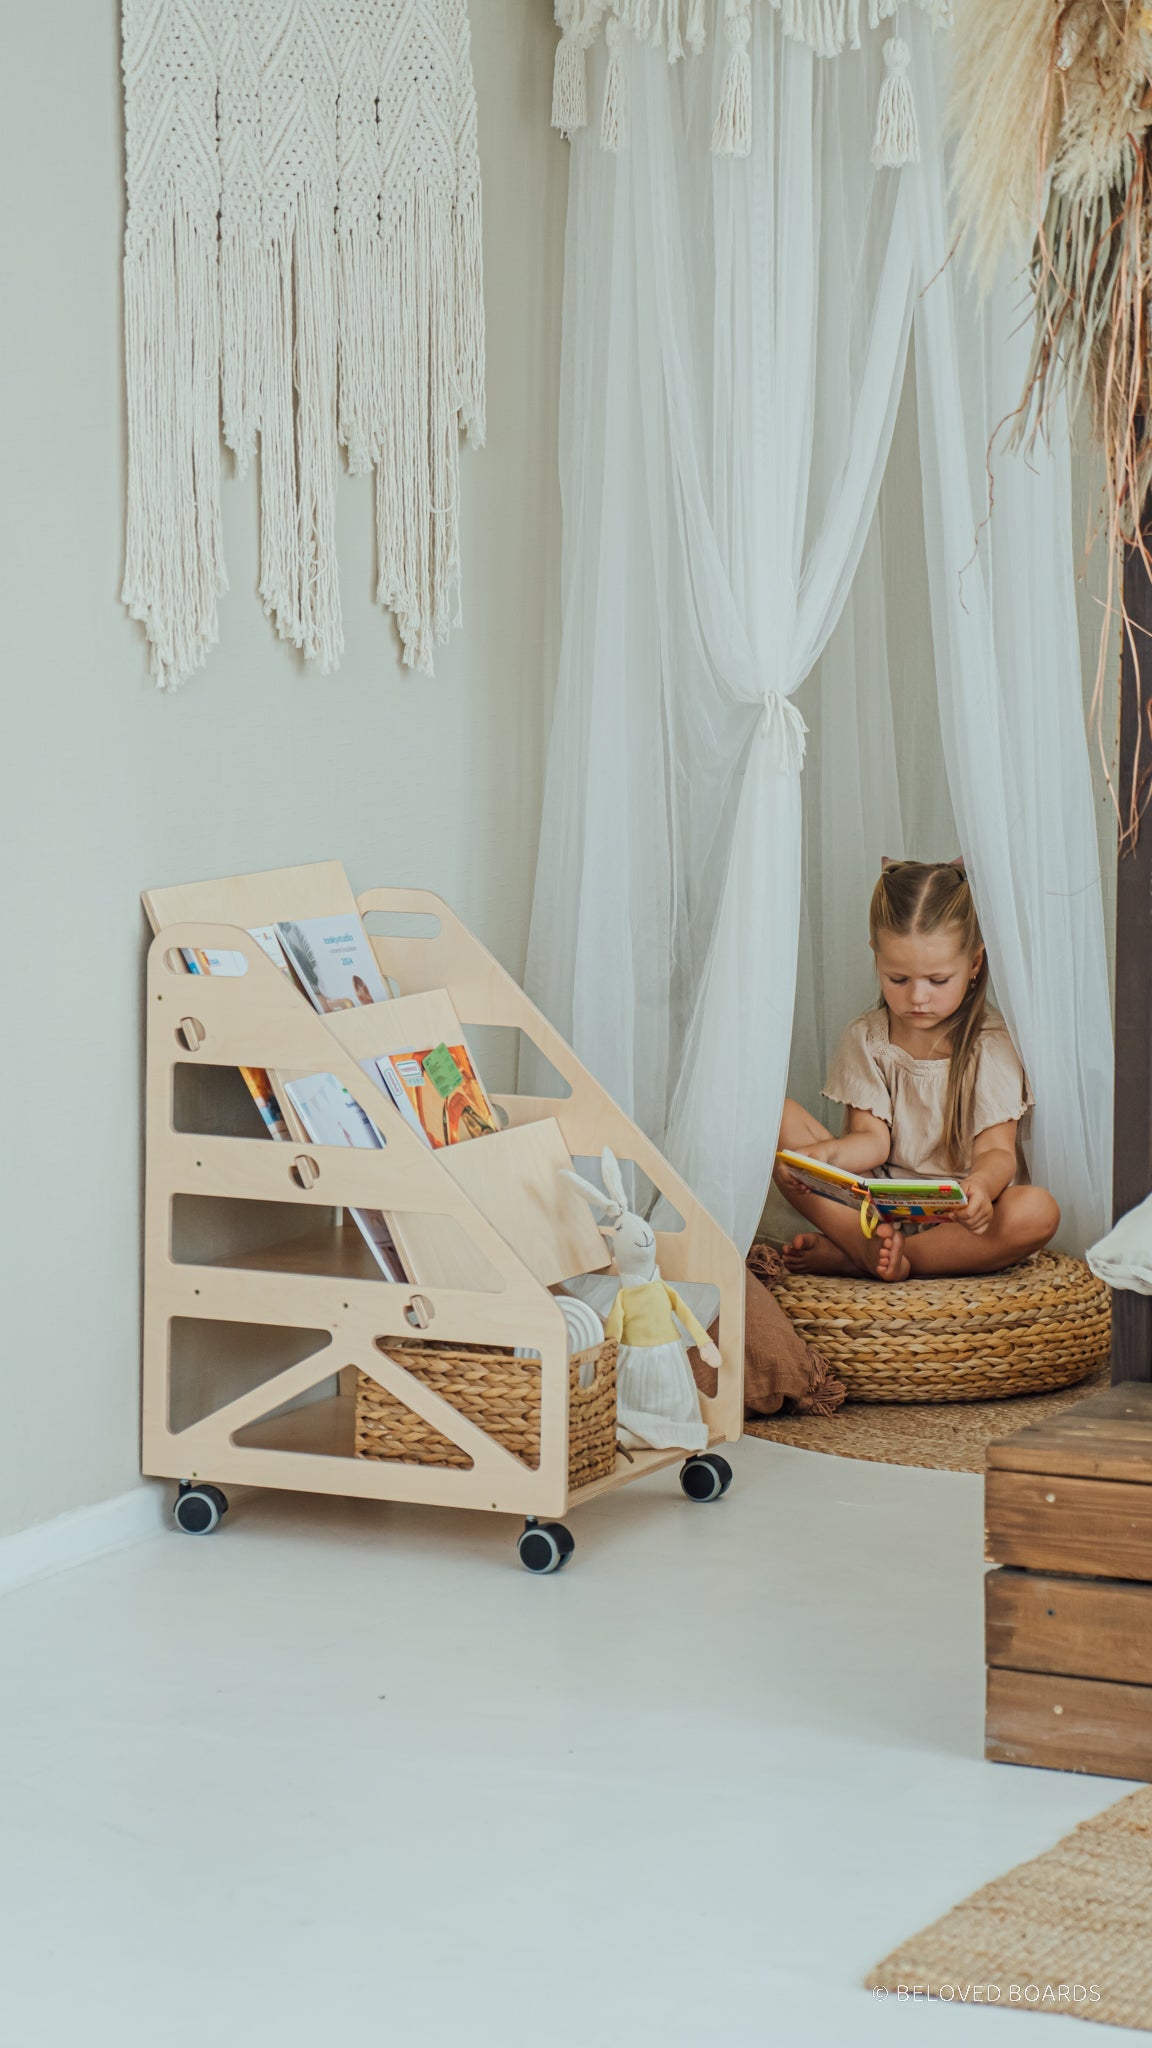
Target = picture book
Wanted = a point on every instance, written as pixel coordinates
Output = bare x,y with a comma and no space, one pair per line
206,960
439,1093
327,1112
334,961
201,960
898,1201
260,1089
331,1116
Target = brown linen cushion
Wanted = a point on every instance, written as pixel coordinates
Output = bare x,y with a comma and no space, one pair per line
780,1370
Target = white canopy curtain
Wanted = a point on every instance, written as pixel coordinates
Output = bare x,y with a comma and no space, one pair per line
736,335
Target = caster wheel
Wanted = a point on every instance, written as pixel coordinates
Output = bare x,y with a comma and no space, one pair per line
199,1509
545,1546
706,1477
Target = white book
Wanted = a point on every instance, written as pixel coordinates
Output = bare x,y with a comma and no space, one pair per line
334,961
222,960
331,1116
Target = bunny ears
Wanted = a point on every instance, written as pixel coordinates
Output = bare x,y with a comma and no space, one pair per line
615,1202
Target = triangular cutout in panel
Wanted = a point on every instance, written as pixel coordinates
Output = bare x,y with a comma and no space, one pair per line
213,1363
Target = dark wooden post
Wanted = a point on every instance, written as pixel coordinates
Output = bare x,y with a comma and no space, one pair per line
1132,1120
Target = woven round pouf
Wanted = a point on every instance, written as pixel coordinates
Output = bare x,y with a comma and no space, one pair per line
1028,1330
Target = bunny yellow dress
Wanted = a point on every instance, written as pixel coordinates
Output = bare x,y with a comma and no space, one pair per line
657,1405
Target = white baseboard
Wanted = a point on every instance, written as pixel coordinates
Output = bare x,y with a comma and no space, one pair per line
81,1535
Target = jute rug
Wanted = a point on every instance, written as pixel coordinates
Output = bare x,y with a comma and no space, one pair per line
1070,1932
949,1437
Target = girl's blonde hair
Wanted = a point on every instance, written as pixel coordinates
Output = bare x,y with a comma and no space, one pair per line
914,897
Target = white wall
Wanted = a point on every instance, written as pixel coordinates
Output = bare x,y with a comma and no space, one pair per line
110,786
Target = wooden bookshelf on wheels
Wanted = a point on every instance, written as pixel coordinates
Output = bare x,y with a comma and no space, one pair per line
262,1302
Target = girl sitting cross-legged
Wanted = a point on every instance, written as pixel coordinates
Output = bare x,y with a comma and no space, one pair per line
932,1086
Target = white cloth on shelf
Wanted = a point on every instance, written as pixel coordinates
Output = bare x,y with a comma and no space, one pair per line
1124,1257
584,1331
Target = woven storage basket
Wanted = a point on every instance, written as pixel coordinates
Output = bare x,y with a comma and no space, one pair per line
1035,1327
500,1393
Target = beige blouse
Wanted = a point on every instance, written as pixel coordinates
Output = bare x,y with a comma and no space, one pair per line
869,1072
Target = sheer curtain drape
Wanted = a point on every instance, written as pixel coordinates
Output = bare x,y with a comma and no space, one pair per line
735,343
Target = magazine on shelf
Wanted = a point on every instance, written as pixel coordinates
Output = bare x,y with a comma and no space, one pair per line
896,1200
334,961
223,960
327,1112
210,960
439,1093
331,1116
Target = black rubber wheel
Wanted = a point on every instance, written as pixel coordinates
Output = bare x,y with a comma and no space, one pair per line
545,1547
199,1509
706,1477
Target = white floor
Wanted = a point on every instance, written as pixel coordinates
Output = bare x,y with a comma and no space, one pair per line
345,1775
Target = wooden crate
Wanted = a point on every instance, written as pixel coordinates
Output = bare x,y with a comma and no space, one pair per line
1068,1614
261,1302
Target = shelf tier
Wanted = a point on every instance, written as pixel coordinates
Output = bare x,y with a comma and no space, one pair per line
328,1428
336,1254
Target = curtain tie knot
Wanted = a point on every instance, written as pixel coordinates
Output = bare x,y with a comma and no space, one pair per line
784,730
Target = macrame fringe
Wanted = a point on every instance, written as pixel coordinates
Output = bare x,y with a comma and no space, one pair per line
569,86
245,322
469,316
434,366
173,562
897,139
695,32
825,26
263,295
614,112
732,135
298,577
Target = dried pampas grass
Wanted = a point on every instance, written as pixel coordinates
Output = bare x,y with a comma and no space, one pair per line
1052,106
1001,120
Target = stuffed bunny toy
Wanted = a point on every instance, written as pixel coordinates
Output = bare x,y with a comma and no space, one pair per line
657,1404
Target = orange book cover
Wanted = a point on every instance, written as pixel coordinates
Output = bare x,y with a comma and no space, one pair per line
439,1092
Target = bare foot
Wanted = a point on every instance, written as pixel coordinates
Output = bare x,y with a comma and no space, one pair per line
811,1252
884,1254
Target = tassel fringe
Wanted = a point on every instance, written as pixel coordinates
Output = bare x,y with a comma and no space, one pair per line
614,113
897,139
732,135
826,27
569,87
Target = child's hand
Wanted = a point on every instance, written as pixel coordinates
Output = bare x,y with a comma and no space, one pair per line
710,1355
978,1215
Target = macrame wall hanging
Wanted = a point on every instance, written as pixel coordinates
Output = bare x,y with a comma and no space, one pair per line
681,27
301,267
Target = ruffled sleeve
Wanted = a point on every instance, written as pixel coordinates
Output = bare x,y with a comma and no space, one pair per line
1000,1093
855,1076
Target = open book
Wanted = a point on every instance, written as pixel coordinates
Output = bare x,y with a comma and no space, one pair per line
898,1201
